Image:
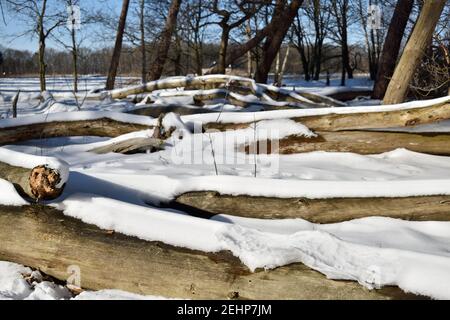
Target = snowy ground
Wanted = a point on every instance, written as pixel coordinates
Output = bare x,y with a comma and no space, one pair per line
124,192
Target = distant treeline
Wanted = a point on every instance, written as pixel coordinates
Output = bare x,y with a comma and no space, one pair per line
18,63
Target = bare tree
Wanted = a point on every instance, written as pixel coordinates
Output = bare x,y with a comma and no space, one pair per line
391,46
227,12
414,51
115,60
340,10
283,16
42,21
163,46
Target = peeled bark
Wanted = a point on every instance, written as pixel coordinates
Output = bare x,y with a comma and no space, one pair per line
391,47
414,51
150,268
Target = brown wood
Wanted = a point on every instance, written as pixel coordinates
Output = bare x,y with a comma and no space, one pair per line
130,146
163,45
46,239
414,51
361,142
391,47
115,60
207,204
361,121
38,183
101,127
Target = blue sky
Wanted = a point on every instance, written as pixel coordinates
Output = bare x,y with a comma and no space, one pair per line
15,26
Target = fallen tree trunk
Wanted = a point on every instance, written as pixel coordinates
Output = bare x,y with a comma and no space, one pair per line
188,83
39,183
57,242
130,146
103,127
359,121
361,142
207,204
350,95
229,83
155,111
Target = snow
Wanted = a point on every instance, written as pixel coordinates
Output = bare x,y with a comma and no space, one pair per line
120,192
31,161
9,195
245,117
21,283
77,116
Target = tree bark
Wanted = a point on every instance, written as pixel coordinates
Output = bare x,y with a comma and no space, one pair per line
284,17
238,51
143,46
414,50
39,183
151,268
208,204
360,142
361,121
115,60
222,63
162,49
104,127
391,47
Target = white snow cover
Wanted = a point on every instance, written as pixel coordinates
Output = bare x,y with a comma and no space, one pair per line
373,251
9,195
14,286
76,116
245,117
114,191
30,161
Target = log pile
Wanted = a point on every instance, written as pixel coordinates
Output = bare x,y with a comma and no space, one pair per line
58,241
111,260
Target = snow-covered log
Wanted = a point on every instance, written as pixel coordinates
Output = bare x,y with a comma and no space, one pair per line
130,145
232,84
361,142
35,178
154,111
59,244
188,83
354,120
207,204
102,124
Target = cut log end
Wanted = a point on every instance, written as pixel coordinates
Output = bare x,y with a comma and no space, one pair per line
44,183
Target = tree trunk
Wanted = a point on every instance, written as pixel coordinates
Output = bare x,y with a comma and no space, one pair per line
74,58
115,60
103,127
143,46
162,50
284,19
240,50
46,239
222,63
360,121
361,142
207,204
42,65
391,47
414,50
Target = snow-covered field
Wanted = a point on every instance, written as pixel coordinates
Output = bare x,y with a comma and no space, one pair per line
122,193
